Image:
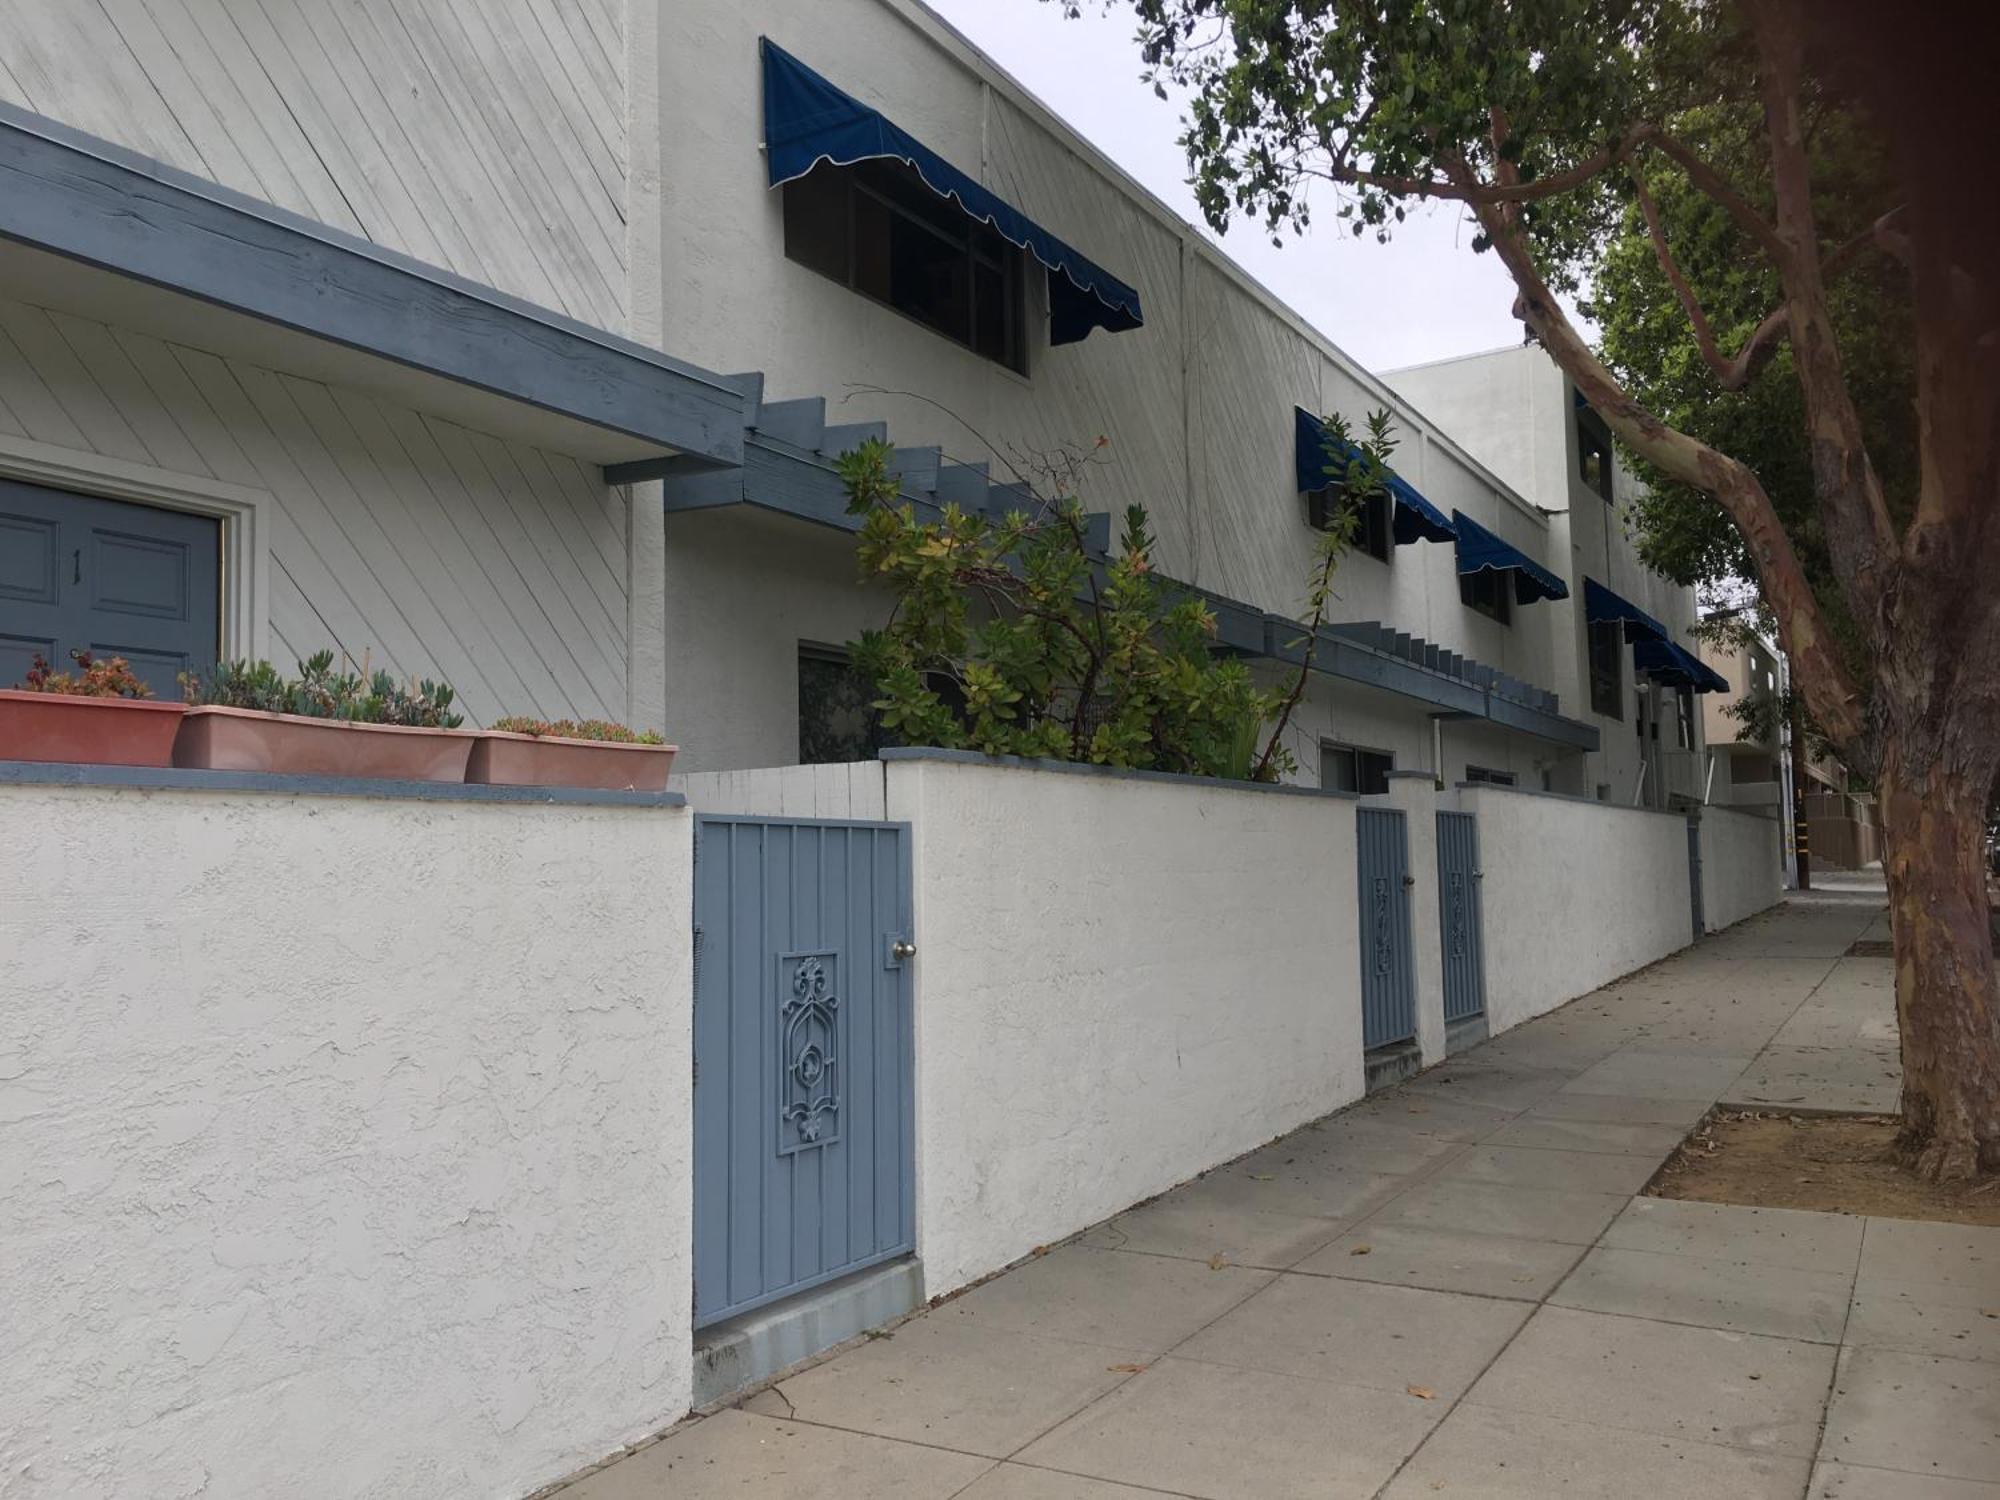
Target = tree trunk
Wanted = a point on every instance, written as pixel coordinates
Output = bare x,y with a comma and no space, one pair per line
1933,828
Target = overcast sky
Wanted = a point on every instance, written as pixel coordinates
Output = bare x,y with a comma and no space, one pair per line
1422,296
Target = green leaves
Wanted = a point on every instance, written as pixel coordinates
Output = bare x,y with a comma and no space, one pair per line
1010,637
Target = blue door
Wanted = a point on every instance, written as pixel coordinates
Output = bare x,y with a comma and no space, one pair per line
85,574
1460,937
1388,977
804,1115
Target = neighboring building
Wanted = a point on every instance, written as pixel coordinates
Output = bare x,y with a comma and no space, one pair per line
408,350
1620,648
1749,769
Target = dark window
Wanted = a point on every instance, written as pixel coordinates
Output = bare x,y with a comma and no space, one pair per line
876,228
1684,716
1489,777
1593,451
1343,768
1607,669
837,721
1490,591
1372,535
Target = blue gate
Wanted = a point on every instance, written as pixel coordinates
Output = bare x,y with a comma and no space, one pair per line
1461,939
804,1116
1388,980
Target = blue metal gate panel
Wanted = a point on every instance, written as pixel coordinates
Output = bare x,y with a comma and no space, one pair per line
1388,978
804,1112
1694,878
1461,937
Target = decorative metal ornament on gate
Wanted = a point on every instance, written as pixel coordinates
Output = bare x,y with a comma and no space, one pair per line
808,1037
1385,952
1456,915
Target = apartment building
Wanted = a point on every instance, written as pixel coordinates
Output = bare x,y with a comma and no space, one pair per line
424,348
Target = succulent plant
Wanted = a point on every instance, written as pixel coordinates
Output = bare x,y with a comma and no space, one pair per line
109,677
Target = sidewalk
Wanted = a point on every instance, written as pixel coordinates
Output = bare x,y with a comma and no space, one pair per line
1450,1289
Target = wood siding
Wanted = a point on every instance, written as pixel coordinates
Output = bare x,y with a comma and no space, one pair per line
484,136
427,548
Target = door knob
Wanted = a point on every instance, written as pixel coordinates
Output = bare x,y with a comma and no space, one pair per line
902,948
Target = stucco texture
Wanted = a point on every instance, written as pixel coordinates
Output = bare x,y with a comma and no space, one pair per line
1121,982
344,1142
1575,894
1742,866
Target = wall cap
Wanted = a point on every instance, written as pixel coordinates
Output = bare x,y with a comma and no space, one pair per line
1076,768
175,779
1529,791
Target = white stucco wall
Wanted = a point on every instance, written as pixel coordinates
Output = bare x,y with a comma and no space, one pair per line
1120,983
1576,894
1742,865
344,1142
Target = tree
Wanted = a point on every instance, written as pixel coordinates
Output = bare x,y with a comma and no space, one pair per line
1545,119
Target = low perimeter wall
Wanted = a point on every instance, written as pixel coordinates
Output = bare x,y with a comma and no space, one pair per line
343,1140
1575,894
1122,979
1742,866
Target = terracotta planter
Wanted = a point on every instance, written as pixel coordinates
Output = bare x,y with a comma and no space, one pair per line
89,731
246,739
503,759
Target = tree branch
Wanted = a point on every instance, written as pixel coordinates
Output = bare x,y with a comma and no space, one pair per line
1714,185
1808,641
1733,374
1860,537
1512,190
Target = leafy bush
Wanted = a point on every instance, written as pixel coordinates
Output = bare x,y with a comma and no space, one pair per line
1071,658
356,696
110,678
577,729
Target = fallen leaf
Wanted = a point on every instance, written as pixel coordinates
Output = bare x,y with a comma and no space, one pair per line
1756,1377
1361,1249
1422,1392
1217,1261
1125,1369
1989,1312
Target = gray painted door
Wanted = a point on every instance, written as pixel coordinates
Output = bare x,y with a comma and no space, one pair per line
1388,977
1461,939
804,1115
77,572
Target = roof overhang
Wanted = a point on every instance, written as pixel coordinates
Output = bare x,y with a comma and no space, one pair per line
89,227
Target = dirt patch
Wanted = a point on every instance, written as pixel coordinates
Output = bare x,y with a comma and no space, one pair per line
1842,1164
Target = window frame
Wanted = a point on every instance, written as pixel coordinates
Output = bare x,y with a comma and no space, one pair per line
1356,754
1376,535
1607,692
1488,776
1593,440
1001,256
1492,595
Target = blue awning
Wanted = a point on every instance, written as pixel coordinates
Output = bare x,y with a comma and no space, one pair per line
1416,519
808,121
1479,549
1676,666
1602,607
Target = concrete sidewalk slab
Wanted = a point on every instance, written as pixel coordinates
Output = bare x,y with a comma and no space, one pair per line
1957,1255
977,1390
1446,1260
1224,1433
1745,1296
1698,1385
1546,1167
1526,1213
1831,1481
1915,1414
1726,1231
1361,1333
1504,1455
1653,1142
1121,1301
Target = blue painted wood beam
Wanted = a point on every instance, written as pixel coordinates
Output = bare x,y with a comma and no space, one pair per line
82,198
